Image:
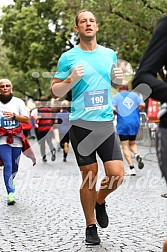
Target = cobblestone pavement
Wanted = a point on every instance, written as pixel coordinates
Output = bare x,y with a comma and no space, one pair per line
48,216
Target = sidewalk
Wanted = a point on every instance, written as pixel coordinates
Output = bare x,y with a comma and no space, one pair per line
48,214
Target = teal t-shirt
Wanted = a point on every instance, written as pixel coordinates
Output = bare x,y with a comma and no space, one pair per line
91,95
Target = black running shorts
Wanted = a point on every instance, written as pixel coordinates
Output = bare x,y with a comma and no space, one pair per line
88,138
127,137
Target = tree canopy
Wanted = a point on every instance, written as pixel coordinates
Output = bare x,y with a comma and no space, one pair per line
34,33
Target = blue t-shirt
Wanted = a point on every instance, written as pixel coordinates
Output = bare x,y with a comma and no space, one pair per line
128,115
91,98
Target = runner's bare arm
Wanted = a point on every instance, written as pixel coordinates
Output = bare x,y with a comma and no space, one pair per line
60,87
142,106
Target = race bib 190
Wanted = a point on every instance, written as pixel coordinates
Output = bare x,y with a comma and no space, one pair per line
96,99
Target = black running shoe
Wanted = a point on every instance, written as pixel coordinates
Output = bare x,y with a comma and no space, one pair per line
92,237
140,162
44,159
101,215
164,195
53,152
53,157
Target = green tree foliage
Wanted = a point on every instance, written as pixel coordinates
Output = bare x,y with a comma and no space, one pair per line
5,68
36,32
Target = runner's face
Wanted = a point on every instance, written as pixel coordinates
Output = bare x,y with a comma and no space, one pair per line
87,26
5,88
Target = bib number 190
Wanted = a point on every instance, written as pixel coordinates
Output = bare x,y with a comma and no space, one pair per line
97,99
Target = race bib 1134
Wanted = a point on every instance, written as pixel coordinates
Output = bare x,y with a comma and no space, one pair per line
6,123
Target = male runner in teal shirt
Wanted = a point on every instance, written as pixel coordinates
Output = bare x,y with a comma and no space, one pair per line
86,69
